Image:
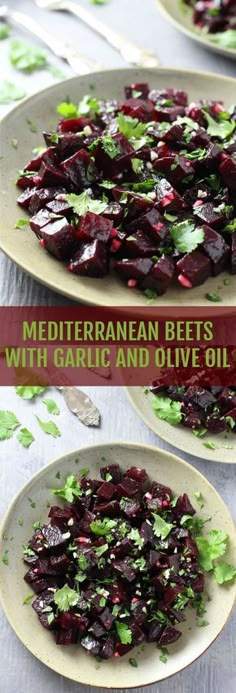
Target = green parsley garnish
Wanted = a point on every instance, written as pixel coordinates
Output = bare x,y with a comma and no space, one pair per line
8,423
51,406
65,598
21,223
25,437
85,203
161,528
49,427
124,633
71,490
25,57
102,527
167,409
186,237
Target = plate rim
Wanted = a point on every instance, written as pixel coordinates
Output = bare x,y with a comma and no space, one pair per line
57,288
198,38
109,444
152,428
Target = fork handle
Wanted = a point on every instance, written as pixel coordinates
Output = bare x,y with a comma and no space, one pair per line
79,63
129,50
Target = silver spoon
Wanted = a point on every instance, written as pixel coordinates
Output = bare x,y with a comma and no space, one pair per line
78,62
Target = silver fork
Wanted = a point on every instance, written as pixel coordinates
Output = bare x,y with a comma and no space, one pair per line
79,63
129,50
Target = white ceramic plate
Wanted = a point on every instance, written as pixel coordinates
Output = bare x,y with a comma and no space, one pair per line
178,436
71,661
40,109
181,17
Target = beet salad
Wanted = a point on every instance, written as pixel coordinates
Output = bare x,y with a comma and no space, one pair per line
143,187
117,564
216,17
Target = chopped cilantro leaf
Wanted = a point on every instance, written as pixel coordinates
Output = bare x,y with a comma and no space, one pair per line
9,92
67,109
5,30
110,147
49,427
102,527
27,600
221,129
165,408
65,598
223,572
186,237
85,203
5,558
133,662
25,437
20,223
29,391
25,57
51,406
124,633
211,547
8,423
70,491
161,528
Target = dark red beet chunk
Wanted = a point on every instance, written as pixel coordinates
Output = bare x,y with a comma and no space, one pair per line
160,276
94,226
216,249
195,267
136,268
91,260
58,238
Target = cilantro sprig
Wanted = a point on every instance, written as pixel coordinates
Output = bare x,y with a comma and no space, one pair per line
186,236
211,548
167,409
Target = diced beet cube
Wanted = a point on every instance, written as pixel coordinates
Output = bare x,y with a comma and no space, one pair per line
146,532
97,630
228,172
178,96
137,634
131,507
207,214
84,525
39,220
61,516
174,167
167,197
174,134
59,207
60,563
80,169
200,396
50,175
139,475
25,198
114,211
125,569
151,223
69,620
94,226
122,650
68,144
42,601
54,537
193,421
128,488
108,648
183,506
106,618
154,504
67,637
58,238
160,276
160,491
125,547
141,87
198,584
155,630
43,584
111,508
26,181
42,196
91,260
142,109
169,635
107,490
74,124
216,423
139,245
168,113
112,164
136,268
216,249
113,470
195,267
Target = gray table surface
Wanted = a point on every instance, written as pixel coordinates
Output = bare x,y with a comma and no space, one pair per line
21,673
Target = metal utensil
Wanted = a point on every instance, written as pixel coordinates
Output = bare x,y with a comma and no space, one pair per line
81,405
129,50
79,62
